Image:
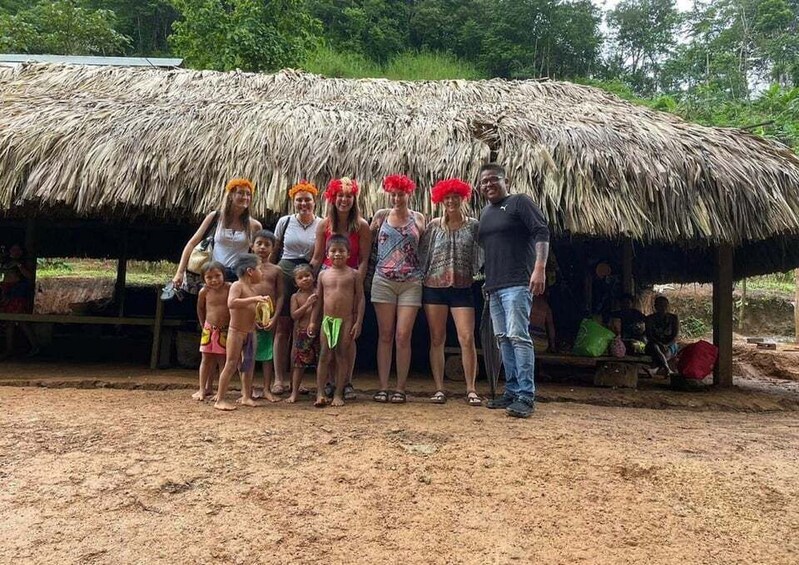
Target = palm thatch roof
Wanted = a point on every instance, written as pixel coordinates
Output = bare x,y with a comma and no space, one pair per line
120,141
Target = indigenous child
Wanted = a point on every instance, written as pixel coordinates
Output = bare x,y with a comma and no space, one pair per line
271,285
242,302
214,317
341,300
306,346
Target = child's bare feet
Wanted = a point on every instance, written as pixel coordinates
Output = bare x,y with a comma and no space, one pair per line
338,400
270,397
224,405
292,399
320,401
248,402
199,395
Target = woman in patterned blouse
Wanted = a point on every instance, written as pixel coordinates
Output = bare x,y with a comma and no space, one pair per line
451,259
397,284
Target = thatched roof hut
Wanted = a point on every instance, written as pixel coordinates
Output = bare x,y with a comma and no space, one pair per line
117,144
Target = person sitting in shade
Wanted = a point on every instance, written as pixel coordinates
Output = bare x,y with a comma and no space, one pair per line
662,329
630,324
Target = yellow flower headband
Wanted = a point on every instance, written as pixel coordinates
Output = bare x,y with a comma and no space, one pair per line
240,182
303,186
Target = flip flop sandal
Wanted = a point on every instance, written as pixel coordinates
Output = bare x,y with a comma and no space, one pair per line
277,389
398,398
329,391
439,398
381,396
349,392
473,399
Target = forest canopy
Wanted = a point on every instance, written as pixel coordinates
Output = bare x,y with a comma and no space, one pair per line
725,62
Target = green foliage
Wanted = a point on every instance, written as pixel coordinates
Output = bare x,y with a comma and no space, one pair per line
147,22
63,27
405,66
251,35
430,66
644,33
693,328
332,63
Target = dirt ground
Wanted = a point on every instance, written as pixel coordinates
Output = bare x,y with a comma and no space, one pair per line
120,476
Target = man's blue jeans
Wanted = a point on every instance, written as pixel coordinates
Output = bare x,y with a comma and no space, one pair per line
510,316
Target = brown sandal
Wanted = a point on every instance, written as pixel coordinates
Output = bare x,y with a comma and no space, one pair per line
473,399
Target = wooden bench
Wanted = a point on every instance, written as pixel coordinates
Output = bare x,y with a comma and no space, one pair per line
608,370
156,323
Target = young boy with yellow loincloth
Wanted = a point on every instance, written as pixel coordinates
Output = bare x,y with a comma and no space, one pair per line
242,302
214,317
341,300
271,285
306,347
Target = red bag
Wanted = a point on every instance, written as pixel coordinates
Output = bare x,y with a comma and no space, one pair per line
696,361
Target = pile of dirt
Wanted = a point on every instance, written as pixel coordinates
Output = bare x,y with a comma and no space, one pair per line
782,363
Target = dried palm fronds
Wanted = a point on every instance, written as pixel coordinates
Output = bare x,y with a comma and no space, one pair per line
163,143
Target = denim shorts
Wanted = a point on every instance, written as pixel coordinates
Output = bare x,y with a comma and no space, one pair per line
408,293
449,296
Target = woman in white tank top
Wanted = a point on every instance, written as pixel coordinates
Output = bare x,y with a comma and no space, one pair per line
234,229
295,235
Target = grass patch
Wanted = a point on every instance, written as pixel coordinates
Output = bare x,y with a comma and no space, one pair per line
410,65
138,272
783,283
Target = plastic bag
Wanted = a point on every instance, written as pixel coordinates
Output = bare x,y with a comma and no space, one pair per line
592,339
696,361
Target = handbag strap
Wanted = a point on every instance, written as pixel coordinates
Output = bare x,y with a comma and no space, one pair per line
212,229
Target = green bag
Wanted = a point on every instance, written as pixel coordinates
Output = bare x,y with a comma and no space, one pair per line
592,339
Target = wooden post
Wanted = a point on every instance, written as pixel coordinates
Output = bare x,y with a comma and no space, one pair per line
722,314
122,269
627,267
742,309
796,305
30,251
159,317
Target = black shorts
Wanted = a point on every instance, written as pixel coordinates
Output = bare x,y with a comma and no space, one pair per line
450,296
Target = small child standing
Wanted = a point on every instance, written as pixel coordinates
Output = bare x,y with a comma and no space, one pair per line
271,285
242,302
341,301
214,317
306,346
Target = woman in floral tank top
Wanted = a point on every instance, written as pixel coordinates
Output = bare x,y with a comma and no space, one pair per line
451,258
397,285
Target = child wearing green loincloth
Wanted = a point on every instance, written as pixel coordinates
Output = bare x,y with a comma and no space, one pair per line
271,285
341,301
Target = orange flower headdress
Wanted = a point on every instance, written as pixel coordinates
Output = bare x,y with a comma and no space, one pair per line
344,185
398,183
240,182
303,186
444,188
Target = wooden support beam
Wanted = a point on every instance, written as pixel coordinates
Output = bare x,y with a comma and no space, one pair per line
796,306
30,252
122,269
159,318
722,314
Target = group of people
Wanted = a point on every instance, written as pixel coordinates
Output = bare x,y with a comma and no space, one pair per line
655,335
282,297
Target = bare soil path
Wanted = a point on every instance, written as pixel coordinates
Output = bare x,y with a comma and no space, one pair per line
120,476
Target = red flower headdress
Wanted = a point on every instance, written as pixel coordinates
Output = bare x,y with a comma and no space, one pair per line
344,185
444,188
236,183
303,186
398,183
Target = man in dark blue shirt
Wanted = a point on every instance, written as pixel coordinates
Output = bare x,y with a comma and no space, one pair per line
515,237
